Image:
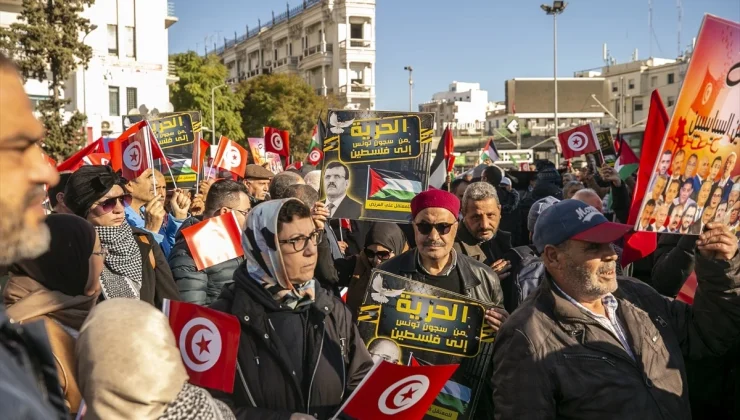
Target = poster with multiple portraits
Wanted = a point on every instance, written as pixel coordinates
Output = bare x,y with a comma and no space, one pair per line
260,157
176,133
375,162
404,321
696,179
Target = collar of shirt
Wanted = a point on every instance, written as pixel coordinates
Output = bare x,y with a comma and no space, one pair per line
451,264
336,203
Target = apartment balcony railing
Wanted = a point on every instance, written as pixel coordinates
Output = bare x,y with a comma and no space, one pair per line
307,52
356,89
357,43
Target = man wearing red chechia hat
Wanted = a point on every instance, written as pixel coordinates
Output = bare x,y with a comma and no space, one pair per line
435,262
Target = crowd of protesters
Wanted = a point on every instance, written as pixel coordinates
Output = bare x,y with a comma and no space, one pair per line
578,336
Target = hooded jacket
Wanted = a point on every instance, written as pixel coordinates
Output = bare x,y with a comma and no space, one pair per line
200,287
276,378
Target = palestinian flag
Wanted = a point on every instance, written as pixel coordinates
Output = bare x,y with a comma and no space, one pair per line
384,185
315,154
627,163
489,153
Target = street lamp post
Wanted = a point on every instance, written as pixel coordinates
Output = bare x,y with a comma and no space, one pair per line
213,111
557,8
411,87
84,74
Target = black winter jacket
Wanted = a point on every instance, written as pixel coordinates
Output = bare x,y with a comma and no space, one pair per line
200,287
266,388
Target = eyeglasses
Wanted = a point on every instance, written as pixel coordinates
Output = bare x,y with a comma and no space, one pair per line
382,255
102,253
301,242
441,228
244,213
107,206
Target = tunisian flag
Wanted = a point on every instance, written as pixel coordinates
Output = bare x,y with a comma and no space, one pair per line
638,245
74,162
199,154
231,156
391,391
277,141
578,141
214,240
208,341
130,152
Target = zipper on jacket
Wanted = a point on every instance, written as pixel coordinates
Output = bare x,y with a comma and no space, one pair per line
315,368
589,357
344,376
244,383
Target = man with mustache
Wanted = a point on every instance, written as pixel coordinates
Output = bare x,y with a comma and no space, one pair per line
479,236
589,344
29,386
336,183
435,261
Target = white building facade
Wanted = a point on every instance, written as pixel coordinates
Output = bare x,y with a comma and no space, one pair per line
329,43
462,107
129,66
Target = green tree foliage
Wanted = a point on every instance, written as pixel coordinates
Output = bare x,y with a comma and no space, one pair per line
46,44
286,102
198,75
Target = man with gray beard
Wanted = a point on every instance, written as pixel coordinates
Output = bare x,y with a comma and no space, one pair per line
588,344
29,387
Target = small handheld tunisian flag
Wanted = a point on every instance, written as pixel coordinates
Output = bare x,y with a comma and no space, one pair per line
277,141
134,151
97,159
208,342
391,391
199,154
578,141
231,156
74,162
214,240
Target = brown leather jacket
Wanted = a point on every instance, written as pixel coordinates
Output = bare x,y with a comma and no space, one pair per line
552,361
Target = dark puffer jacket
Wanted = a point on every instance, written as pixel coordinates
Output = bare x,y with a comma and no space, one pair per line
266,386
201,287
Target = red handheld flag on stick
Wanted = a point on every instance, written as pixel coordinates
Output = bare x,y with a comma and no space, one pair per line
75,161
134,151
208,342
214,240
578,141
199,154
391,391
231,157
277,141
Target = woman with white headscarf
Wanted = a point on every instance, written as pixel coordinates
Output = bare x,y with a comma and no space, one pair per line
129,367
300,354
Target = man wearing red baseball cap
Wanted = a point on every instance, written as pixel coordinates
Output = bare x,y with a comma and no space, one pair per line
435,262
587,344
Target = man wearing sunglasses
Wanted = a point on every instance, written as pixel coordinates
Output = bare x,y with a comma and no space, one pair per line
147,209
435,261
203,287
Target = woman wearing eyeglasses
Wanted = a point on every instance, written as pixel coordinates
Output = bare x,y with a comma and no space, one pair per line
135,266
60,287
382,242
300,354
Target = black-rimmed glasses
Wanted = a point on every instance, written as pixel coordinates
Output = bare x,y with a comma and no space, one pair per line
301,242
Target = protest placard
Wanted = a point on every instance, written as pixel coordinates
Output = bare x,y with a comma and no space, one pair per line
176,133
695,177
262,157
374,163
401,319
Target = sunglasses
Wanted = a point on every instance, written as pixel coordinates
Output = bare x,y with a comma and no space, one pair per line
107,206
441,228
382,255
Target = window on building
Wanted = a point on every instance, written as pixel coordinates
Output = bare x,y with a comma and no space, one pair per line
654,81
35,99
671,78
114,101
637,104
631,84
671,100
274,53
355,30
290,50
131,98
130,34
614,87
113,39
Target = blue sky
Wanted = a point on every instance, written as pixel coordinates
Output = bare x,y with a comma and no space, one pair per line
486,41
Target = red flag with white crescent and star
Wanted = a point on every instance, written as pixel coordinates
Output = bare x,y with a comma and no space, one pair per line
578,141
130,152
231,157
208,341
277,141
391,391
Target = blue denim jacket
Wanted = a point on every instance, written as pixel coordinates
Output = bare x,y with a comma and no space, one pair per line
166,235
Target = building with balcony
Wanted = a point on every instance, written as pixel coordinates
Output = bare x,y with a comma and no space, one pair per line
329,43
129,66
462,107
